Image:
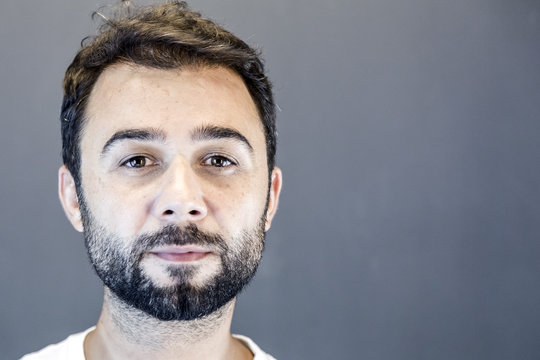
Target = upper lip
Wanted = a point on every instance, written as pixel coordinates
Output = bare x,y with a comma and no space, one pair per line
180,249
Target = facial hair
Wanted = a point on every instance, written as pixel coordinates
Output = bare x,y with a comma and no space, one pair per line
117,262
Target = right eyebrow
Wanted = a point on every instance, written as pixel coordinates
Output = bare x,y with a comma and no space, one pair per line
133,134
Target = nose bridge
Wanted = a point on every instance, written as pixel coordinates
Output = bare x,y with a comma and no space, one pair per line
181,197
180,177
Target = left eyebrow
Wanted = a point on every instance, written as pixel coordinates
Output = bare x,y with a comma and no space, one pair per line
211,132
134,134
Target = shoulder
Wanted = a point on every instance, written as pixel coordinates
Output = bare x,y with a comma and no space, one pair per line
258,354
71,348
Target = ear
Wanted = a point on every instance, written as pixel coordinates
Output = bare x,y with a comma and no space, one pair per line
68,197
273,198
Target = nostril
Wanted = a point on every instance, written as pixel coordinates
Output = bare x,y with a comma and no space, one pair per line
193,212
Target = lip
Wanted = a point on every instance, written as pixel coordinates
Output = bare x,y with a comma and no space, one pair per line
181,254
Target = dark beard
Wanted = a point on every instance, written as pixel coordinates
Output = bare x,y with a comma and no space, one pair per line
121,272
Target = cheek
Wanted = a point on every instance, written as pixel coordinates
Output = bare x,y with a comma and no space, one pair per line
120,210
239,207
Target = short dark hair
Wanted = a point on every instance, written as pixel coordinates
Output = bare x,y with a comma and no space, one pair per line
165,36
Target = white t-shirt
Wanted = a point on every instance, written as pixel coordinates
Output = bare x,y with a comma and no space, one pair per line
72,349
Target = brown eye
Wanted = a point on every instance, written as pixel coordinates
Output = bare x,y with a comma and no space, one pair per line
218,161
136,162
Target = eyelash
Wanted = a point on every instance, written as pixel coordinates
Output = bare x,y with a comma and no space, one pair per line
222,158
146,159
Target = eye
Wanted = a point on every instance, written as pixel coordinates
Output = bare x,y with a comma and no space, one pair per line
218,161
137,162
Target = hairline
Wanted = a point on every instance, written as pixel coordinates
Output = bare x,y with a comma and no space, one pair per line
100,52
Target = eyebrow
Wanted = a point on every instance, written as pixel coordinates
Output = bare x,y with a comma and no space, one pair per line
201,133
134,134
211,132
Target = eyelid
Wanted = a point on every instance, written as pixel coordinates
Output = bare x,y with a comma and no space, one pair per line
217,154
149,157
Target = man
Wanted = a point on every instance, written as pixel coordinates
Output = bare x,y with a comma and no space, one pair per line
168,131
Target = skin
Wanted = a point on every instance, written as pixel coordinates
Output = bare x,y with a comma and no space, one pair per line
136,186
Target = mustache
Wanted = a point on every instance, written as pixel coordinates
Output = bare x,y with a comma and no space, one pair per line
174,235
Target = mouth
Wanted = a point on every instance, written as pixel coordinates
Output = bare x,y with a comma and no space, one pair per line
181,254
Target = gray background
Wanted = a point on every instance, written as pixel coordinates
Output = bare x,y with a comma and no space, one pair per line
409,139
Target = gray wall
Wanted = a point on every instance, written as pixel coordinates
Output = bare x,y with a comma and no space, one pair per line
409,140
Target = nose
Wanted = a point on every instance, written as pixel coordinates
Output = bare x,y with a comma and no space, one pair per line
180,198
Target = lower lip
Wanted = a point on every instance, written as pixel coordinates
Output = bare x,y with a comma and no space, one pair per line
181,257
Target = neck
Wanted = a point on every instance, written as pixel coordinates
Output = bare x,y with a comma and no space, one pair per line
126,332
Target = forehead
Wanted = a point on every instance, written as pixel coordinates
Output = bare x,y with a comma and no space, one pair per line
175,101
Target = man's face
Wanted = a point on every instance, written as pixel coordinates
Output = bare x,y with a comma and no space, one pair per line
175,187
